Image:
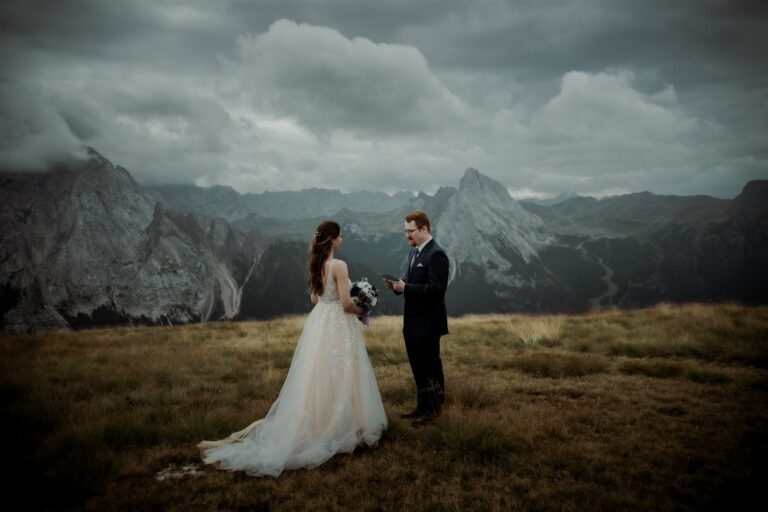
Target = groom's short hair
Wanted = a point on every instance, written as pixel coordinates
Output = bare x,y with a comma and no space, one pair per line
421,219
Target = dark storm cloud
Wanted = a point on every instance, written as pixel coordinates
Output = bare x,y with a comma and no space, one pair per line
331,82
551,37
34,134
592,97
131,32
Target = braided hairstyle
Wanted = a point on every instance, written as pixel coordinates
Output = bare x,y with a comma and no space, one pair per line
320,248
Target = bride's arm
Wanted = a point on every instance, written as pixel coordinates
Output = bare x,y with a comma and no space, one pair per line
313,298
341,275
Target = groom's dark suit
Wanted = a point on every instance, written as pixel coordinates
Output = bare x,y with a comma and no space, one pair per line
424,321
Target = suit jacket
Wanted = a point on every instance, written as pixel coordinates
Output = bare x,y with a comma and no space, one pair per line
424,312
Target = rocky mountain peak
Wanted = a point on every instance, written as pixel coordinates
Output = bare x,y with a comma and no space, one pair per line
94,155
483,224
755,190
434,205
92,162
95,174
471,174
753,199
484,188
473,179
483,192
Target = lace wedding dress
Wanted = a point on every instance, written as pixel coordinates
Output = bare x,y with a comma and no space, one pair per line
329,402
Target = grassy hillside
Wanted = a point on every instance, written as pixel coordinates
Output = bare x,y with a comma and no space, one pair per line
662,409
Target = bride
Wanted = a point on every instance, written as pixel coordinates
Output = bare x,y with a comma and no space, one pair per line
330,401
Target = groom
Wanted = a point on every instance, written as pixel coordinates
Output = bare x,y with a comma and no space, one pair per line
424,317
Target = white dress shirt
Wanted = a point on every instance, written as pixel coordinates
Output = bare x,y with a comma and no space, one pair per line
421,247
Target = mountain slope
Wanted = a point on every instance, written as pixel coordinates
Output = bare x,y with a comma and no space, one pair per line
84,244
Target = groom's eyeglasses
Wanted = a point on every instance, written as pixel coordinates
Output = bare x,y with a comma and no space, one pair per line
409,231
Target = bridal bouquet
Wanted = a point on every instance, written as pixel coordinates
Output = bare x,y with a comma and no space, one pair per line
365,295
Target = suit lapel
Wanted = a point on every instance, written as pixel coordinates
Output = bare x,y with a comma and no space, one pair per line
423,253
411,256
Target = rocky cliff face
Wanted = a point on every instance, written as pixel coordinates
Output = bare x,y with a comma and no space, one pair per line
493,245
84,244
203,261
483,224
68,238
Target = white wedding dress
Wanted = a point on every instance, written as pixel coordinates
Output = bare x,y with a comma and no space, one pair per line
329,403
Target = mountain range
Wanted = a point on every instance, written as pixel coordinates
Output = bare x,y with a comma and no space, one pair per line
84,244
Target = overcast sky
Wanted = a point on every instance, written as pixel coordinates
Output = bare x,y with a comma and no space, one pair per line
593,97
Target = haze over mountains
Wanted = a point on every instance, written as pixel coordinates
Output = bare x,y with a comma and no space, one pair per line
84,244
225,202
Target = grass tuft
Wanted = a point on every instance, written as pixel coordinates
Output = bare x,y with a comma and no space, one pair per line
708,376
655,369
556,365
473,393
475,441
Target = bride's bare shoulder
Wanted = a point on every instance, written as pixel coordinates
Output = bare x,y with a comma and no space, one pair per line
339,267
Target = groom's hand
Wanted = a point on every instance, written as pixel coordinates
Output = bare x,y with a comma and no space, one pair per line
395,286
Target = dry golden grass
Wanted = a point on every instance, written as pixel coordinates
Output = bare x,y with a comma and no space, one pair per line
661,409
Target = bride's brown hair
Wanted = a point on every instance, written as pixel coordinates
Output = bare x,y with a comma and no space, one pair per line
319,250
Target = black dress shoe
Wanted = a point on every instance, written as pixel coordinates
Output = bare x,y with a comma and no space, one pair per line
416,413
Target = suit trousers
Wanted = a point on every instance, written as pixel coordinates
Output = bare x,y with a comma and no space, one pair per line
427,368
